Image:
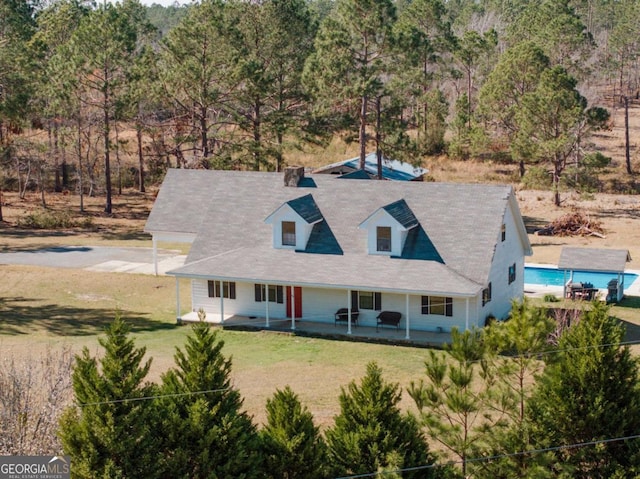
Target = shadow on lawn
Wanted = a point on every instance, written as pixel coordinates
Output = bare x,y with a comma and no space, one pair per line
18,315
632,330
533,224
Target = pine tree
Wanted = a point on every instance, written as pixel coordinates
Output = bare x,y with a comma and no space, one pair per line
291,443
456,402
371,434
205,432
108,434
589,392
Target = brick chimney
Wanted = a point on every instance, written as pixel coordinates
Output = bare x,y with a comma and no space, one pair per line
293,175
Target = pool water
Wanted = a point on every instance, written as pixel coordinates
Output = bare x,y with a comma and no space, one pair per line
556,277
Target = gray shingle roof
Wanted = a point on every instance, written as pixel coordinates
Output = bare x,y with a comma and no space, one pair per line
181,202
594,259
459,226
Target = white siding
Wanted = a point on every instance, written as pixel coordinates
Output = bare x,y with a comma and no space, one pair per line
398,234
320,305
507,252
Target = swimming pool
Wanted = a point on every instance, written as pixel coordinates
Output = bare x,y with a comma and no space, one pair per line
556,277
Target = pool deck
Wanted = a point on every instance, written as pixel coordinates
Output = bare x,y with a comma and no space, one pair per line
538,290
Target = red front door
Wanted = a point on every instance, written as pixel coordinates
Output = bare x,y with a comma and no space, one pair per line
297,299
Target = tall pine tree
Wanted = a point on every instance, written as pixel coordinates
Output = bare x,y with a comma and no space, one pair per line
371,434
108,434
206,434
291,443
589,392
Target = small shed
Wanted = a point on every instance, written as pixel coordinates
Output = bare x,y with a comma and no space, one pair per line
601,260
391,169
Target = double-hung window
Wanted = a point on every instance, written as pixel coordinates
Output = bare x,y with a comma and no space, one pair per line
383,235
222,289
440,305
512,273
275,294
366,300
288,233
486,295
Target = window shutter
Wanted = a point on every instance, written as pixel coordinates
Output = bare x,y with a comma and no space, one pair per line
232,290
279,294
354,300
448,307
210,288
216,285
377,301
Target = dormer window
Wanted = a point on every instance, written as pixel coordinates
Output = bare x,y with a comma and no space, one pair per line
383,238
293,221
288,233
387,228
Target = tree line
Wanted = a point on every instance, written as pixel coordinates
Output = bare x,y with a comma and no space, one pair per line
535,396
238,84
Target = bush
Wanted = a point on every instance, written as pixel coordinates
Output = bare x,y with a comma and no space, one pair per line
550,298
537,178
50,220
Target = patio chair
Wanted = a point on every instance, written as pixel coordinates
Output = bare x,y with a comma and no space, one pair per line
342,316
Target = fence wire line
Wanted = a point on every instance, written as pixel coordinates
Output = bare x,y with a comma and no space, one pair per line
497,456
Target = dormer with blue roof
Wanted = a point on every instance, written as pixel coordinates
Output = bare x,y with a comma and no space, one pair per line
387,228
293,222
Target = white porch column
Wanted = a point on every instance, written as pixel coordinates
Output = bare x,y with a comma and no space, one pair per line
466,321
293,308
407,336
178,316
155,255
221,302
349,311
266,313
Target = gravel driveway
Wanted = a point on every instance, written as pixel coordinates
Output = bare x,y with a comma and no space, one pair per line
97,258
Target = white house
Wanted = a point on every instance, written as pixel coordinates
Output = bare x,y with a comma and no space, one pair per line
441,255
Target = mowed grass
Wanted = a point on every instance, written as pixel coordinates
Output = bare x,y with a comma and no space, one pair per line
43,308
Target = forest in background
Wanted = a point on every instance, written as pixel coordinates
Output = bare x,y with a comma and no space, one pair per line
87,88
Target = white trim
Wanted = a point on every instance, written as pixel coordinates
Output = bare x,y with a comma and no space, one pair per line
349,311
178,316
266,290
408,327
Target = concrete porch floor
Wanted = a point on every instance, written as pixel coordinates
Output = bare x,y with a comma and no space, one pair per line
384,335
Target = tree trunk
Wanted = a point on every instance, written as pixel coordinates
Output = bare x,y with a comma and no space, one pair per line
627,153
204,137
80,185
556,183
362,136
41,182
257,138
140,158
107,159
118,162
378,139
52,129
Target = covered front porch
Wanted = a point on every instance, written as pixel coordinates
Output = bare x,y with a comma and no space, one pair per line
328,330
388,314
